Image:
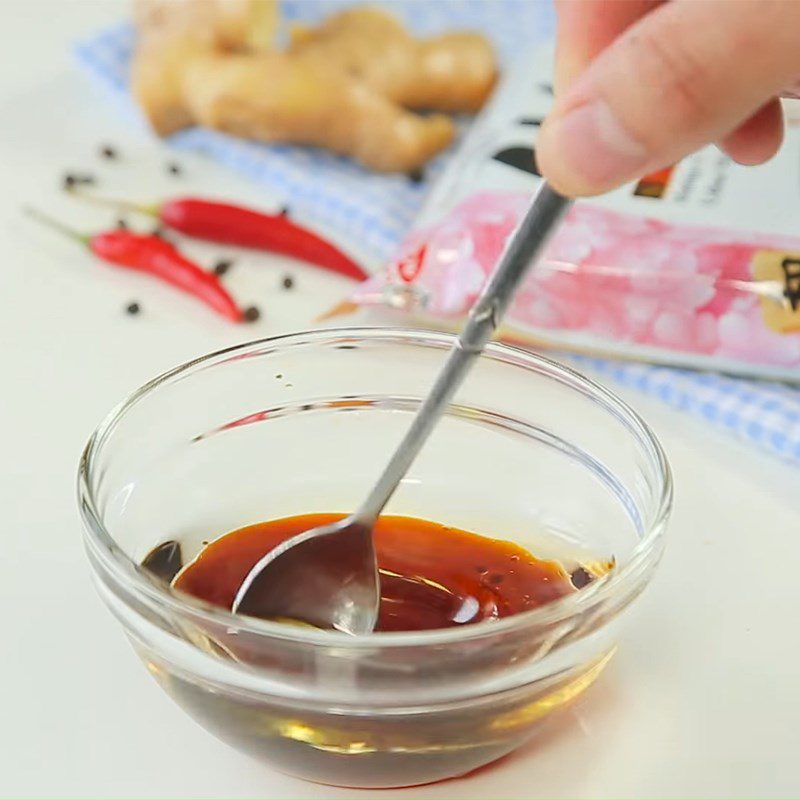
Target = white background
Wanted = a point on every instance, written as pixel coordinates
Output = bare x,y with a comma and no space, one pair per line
703,698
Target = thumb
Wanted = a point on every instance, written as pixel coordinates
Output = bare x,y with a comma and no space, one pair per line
686,74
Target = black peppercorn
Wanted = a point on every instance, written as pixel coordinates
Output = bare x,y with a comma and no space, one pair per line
251,314
133,309
581,577
71,180
222,266
288,282
164,561
173,168
107,151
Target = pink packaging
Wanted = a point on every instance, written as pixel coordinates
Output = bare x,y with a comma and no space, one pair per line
612,283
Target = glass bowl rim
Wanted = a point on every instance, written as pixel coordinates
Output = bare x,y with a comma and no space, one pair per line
128,574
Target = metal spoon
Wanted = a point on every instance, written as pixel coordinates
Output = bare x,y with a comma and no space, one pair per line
328,576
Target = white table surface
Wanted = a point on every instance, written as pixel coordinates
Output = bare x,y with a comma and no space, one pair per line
703,698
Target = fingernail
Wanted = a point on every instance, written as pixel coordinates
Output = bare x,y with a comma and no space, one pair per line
595,147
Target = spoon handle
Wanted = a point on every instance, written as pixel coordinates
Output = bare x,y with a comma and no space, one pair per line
526,244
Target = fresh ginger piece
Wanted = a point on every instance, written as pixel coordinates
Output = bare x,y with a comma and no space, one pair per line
275,97
235,25
454,72
172,32
157,80
205,62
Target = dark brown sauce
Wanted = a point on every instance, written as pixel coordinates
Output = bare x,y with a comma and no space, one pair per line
432,576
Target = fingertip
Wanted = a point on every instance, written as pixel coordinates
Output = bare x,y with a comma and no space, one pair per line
758,138
552,167
586,151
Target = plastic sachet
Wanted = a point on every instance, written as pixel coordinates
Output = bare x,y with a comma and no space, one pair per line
612,284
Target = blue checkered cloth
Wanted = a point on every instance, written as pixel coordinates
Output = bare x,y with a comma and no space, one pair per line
377,210
760,412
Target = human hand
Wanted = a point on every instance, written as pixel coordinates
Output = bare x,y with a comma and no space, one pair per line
642,83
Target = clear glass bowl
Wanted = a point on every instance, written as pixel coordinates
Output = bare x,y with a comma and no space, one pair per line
531,452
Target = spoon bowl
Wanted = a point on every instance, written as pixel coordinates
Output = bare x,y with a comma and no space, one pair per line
326,577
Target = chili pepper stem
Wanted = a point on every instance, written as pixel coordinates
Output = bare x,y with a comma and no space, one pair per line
150,209
58,226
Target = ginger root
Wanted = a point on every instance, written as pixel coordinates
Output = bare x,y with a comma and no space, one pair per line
454,72
235,25
209,62
172,32
157,81
275,97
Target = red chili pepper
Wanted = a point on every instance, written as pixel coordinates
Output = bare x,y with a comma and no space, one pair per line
230,224
157,257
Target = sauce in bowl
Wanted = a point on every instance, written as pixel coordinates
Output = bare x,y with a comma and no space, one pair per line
432,576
